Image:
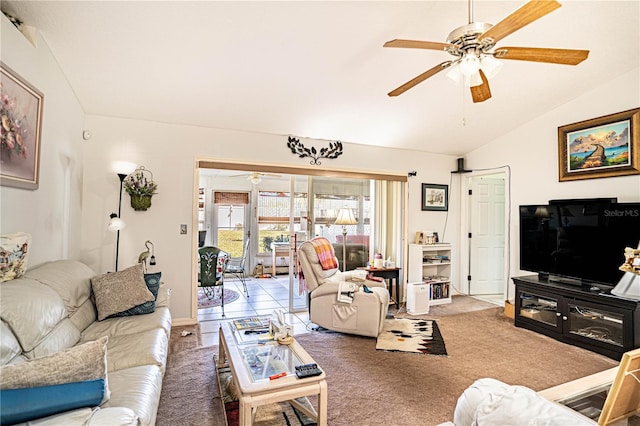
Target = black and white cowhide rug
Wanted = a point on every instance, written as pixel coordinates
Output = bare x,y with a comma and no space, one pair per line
411,335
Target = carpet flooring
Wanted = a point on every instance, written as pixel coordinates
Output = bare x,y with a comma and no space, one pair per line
373,387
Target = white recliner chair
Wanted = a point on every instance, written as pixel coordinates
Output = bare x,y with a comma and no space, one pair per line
363,316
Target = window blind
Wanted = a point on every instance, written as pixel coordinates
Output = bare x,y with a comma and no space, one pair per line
230,198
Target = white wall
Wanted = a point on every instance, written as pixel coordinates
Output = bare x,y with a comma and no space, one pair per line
51,214
170,152
531,151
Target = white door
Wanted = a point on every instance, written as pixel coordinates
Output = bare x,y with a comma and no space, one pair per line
230,229
486,233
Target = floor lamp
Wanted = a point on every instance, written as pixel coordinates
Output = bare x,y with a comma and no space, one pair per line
116,223
345,217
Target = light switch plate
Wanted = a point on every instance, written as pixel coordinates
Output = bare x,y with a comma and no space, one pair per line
183,229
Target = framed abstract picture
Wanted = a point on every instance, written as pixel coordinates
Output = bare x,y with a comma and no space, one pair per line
20,130
601,147
435,197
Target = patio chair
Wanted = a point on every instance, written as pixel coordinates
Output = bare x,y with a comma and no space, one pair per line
213,262
236,267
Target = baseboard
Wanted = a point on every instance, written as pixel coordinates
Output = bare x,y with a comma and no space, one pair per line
178,322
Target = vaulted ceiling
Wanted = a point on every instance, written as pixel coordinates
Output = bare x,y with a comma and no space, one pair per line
317,69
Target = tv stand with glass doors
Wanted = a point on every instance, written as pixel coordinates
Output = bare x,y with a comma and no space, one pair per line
588,316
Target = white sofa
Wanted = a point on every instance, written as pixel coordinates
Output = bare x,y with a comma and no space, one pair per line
51,310
491,402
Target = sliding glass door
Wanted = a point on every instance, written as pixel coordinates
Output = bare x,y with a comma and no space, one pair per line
300,232
281,210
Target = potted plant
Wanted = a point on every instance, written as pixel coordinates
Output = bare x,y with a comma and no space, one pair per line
141,187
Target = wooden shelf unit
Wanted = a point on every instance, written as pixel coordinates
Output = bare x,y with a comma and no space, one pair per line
432,261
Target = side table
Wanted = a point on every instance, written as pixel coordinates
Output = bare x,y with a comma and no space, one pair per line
278,250
391,274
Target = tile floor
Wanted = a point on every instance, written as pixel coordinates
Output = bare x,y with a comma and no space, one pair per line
265,296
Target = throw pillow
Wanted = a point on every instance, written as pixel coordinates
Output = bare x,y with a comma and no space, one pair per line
118,291
153,284
87,361
14,249
23,405
221,264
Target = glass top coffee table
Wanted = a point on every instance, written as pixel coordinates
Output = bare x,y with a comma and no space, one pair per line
254,366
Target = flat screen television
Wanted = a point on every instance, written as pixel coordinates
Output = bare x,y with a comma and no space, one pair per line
578,242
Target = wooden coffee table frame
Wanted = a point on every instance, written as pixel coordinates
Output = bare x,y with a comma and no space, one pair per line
252,394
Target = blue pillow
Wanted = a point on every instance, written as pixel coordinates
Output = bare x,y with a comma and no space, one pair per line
22,405
153,284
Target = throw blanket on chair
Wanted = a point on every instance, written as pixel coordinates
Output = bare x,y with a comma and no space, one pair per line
325,253
303,288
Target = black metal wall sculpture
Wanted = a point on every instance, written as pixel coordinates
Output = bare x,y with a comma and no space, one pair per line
333,151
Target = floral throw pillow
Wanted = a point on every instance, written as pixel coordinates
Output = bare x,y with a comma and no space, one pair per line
14,249
221,265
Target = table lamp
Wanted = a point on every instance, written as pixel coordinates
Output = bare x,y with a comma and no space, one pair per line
345,217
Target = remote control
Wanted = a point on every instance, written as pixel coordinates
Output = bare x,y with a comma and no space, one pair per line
307,370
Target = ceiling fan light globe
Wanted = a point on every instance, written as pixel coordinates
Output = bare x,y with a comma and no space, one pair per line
473,80
255,180
454,73
469,65
490,66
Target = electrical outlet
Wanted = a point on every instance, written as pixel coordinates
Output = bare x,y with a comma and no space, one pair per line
183,229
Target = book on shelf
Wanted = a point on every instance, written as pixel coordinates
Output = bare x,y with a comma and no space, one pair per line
439,291
251,323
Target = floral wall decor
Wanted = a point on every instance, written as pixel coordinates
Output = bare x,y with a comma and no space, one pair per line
333,151
141,187
20,127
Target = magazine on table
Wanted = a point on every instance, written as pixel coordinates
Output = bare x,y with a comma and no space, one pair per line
251,323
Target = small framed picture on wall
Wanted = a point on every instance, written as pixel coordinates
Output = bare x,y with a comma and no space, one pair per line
435,197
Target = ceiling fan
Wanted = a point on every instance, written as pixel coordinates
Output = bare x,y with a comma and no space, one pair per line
472,45
256,177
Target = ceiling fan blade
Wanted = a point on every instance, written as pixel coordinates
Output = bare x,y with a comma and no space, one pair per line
417,44
534,9
482,92
419,79
536,54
